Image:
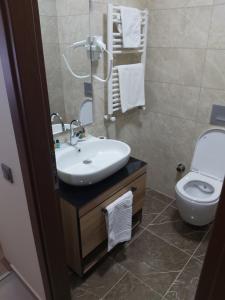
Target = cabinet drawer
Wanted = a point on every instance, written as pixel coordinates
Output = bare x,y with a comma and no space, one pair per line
92,225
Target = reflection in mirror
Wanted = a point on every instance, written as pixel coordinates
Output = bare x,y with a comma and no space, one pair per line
64,23
86,112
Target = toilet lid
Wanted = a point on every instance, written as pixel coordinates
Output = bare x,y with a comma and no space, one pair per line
209,155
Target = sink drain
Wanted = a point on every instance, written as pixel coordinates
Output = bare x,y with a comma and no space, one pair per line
87,161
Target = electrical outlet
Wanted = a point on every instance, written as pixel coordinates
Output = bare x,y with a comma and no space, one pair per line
88,90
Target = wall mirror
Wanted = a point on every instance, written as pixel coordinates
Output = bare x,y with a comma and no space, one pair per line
65,25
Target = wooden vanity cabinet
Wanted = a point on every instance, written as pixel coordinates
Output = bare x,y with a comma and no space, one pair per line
84,225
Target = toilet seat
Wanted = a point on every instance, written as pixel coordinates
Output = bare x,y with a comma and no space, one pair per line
209,158
197,177
198,193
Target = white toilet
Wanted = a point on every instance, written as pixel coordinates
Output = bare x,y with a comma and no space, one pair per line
198,192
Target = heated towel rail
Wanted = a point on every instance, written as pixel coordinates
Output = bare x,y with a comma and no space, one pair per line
115,46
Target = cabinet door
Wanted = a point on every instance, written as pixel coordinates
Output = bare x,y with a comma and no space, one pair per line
92,225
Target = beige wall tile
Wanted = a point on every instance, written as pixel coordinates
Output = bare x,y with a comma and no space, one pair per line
172,135
214,73
186,28
77,58
56,101
96,130
49,29
207,99
98,19
217,31
141,4
173,100
182,66
219,1
73,95
72,7
73,28
167,141
52,63
162,4
47,7
99,104
54,77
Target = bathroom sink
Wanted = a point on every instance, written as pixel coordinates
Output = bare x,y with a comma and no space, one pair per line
91,161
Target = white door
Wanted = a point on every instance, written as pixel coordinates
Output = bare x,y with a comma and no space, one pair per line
16,235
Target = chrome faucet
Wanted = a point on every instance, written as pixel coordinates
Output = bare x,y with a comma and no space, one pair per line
76,132
57,115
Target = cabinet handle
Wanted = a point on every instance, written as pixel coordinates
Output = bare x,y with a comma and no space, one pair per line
133,189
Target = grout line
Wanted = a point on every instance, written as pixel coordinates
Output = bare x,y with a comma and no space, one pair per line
187,48
165,222
162,272
145,227
173,206
183,250
174,7
139,279
3,276
206,50
184,7
168,243
192,256
183,85
177,47
89,293
162,211
158,192
203,72
198,259
158,215
115,284
135,237
172,116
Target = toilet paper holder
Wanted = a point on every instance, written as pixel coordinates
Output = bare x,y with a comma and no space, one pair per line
181,168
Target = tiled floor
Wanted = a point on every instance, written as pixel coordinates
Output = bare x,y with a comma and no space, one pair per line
4,268
11,287
162,262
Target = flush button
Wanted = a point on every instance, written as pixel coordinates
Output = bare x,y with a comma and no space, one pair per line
7,173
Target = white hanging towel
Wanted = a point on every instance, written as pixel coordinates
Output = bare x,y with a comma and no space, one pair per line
132,86
131,26
118,219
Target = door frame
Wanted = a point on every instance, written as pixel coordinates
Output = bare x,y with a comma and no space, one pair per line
212,280
24,72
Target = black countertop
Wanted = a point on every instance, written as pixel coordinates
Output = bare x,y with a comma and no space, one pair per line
79,196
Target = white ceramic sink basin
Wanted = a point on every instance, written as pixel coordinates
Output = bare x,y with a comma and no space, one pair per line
95,161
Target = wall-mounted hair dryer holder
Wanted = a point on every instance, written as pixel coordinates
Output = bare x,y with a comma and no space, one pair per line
95,48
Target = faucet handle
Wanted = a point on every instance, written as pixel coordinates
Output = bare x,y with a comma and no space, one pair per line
75,122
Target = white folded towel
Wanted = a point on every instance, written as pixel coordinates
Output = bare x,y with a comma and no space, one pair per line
118,219
132,86
131,27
